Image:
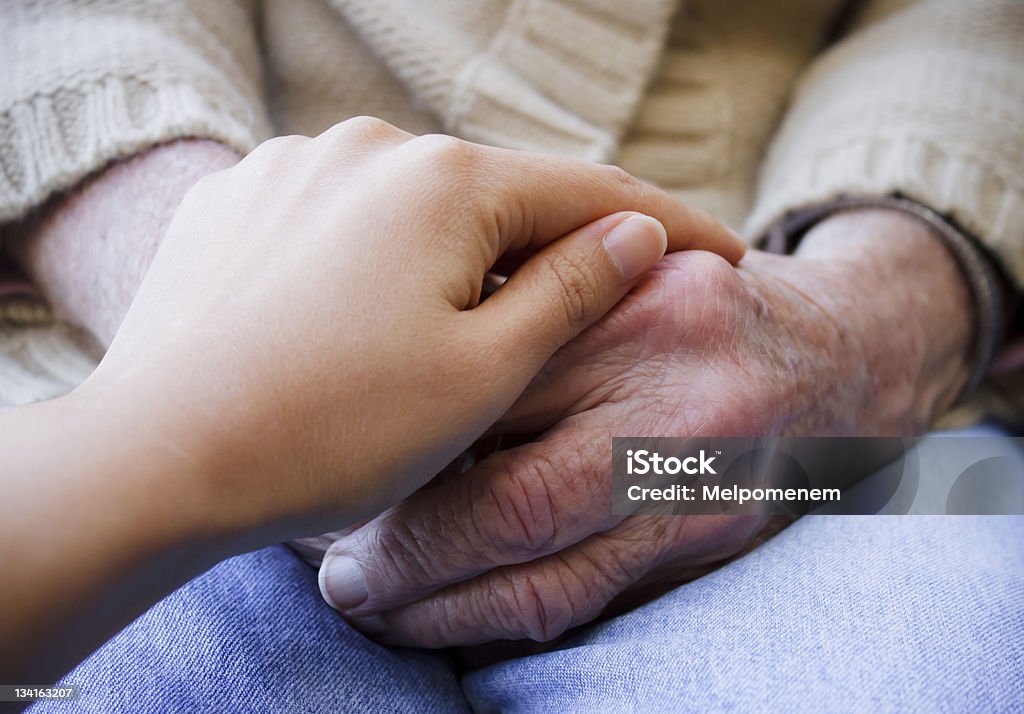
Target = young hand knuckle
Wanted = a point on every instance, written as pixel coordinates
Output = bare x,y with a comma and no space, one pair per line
446,153
576,286
359,129
620,176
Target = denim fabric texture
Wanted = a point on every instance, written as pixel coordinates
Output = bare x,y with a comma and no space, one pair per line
253,635
835,614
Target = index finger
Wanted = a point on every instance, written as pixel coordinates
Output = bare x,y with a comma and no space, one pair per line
550,196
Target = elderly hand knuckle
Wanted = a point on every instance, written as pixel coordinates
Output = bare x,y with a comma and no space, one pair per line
398,554
701,293
522,520
448,620
712,267
534,611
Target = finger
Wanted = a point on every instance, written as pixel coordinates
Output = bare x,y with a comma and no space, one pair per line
641,341
542,599
538,600
566,287
514,506
551,195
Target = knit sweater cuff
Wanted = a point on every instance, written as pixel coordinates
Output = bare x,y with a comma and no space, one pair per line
50,142
87,84
981,198
918,99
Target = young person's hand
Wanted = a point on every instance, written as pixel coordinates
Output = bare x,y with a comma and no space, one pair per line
306,349
309,328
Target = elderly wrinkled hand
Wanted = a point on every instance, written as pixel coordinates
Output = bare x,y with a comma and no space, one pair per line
524,545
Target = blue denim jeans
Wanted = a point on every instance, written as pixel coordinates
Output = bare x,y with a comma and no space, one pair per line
836,613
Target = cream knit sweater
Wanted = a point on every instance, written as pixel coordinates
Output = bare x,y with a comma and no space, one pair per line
747,108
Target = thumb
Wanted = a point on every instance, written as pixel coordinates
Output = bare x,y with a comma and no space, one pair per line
570,284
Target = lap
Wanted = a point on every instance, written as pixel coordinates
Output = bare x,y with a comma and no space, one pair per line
253,635
834,613
837,613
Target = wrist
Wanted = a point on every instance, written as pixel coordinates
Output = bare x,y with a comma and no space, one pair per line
201,459
97,526
134,435
110,226
123,465
908,308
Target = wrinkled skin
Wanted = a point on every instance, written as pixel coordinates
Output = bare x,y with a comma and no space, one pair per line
524,545
268,381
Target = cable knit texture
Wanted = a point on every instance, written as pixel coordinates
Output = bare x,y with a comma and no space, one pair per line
746,108
928,101
86,83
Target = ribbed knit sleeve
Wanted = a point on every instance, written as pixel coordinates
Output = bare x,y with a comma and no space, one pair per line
85,83
925,99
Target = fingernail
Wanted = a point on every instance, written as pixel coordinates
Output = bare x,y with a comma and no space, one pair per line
342,582
636,244
741,242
